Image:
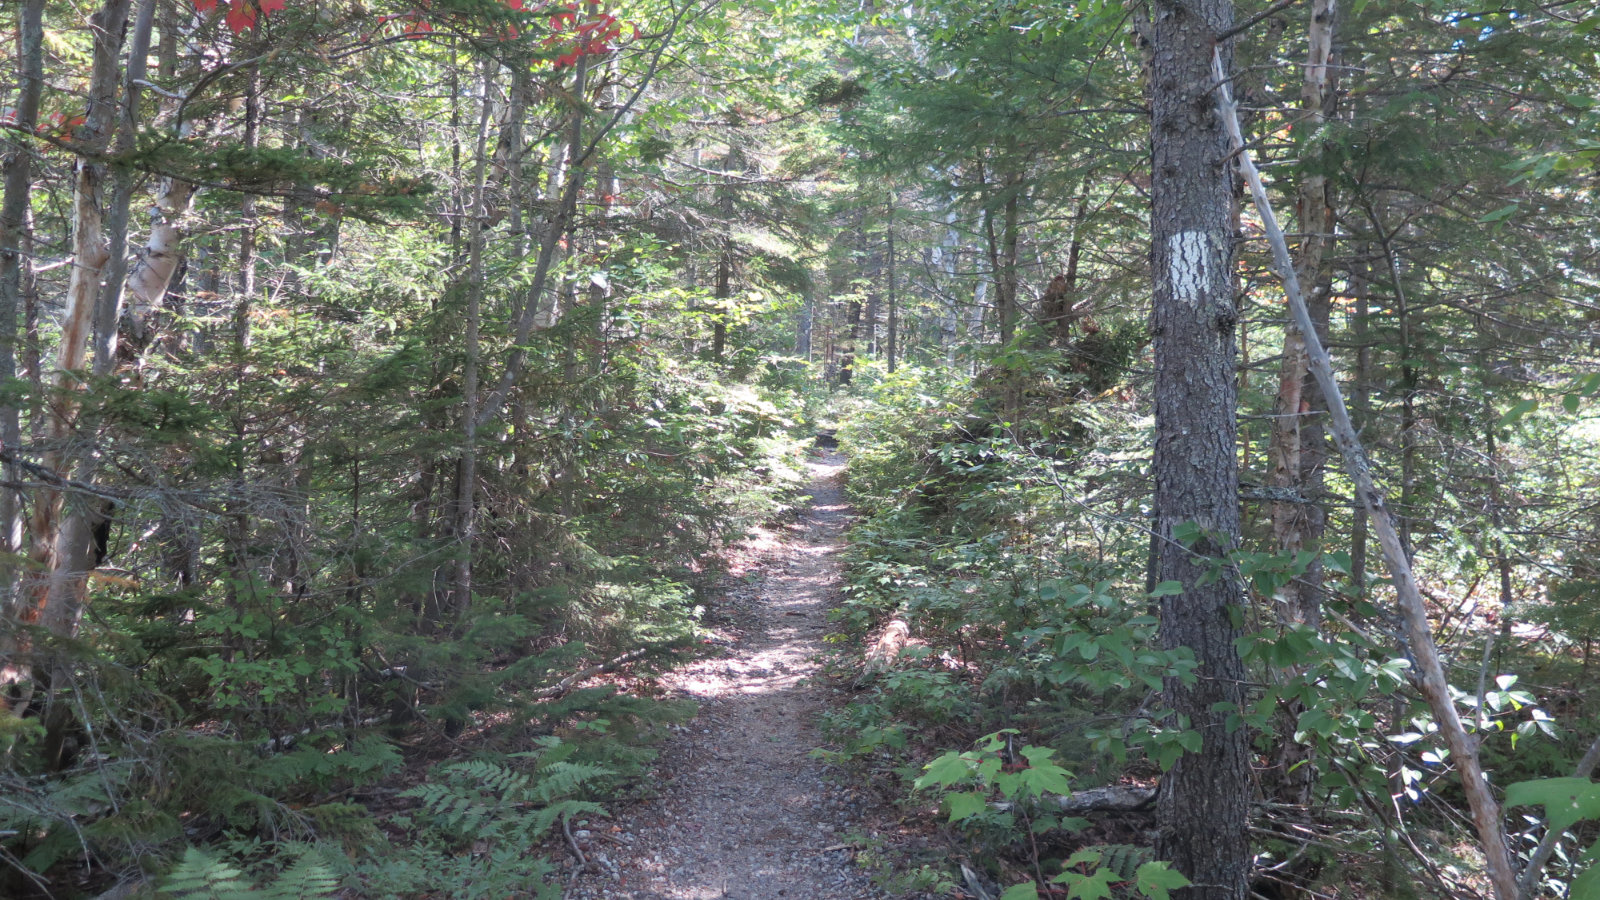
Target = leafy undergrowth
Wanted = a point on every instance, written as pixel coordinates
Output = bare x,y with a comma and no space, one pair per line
254,738
998,586
1028,666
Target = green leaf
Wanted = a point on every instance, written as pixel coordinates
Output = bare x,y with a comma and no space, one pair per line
1092,887
1517,412
1503,212
1167,589
1565,800
1187,533
1084,855
944,771
1027,891
1155,879
965,805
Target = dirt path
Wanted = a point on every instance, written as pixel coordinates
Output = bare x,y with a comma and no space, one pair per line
744,813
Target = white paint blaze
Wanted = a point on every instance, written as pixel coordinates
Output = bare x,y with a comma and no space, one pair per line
1189,265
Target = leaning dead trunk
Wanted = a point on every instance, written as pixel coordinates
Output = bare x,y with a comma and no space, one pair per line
1428,675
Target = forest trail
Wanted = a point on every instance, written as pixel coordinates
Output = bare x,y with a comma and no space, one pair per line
744,812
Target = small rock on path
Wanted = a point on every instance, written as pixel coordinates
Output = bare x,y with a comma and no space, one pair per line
744,812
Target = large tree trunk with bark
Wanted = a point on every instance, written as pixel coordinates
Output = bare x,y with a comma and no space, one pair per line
1204,800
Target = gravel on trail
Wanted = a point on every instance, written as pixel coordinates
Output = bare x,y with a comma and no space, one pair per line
743,811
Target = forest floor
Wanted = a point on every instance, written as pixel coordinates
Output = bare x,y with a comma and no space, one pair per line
743,811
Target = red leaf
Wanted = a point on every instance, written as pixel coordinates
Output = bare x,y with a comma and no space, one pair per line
241,15
515,4
268,7
204,5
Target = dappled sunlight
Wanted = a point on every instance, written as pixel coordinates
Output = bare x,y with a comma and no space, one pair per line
745,812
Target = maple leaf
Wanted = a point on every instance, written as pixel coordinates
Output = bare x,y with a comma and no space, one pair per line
268,7
204,5
241,15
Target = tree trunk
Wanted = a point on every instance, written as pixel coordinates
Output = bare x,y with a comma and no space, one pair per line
466,505
1203,802
18,181
1360,402
1058,313
894,319
1003,256
1296,451
53,544
157,262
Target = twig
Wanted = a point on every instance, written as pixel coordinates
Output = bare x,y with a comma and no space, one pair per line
583,861
565,684
1251,22
1482,715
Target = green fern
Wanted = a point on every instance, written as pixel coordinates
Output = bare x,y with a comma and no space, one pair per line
308,879
486,800
201,874
1125,859
205,876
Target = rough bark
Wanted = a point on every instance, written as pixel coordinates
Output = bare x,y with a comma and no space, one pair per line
1058,308
90,257
1294,453
724,286
1003,254
109,308
1361,402
1203,802
47,596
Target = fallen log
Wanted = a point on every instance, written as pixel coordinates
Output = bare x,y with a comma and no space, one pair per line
886,648
1111,798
